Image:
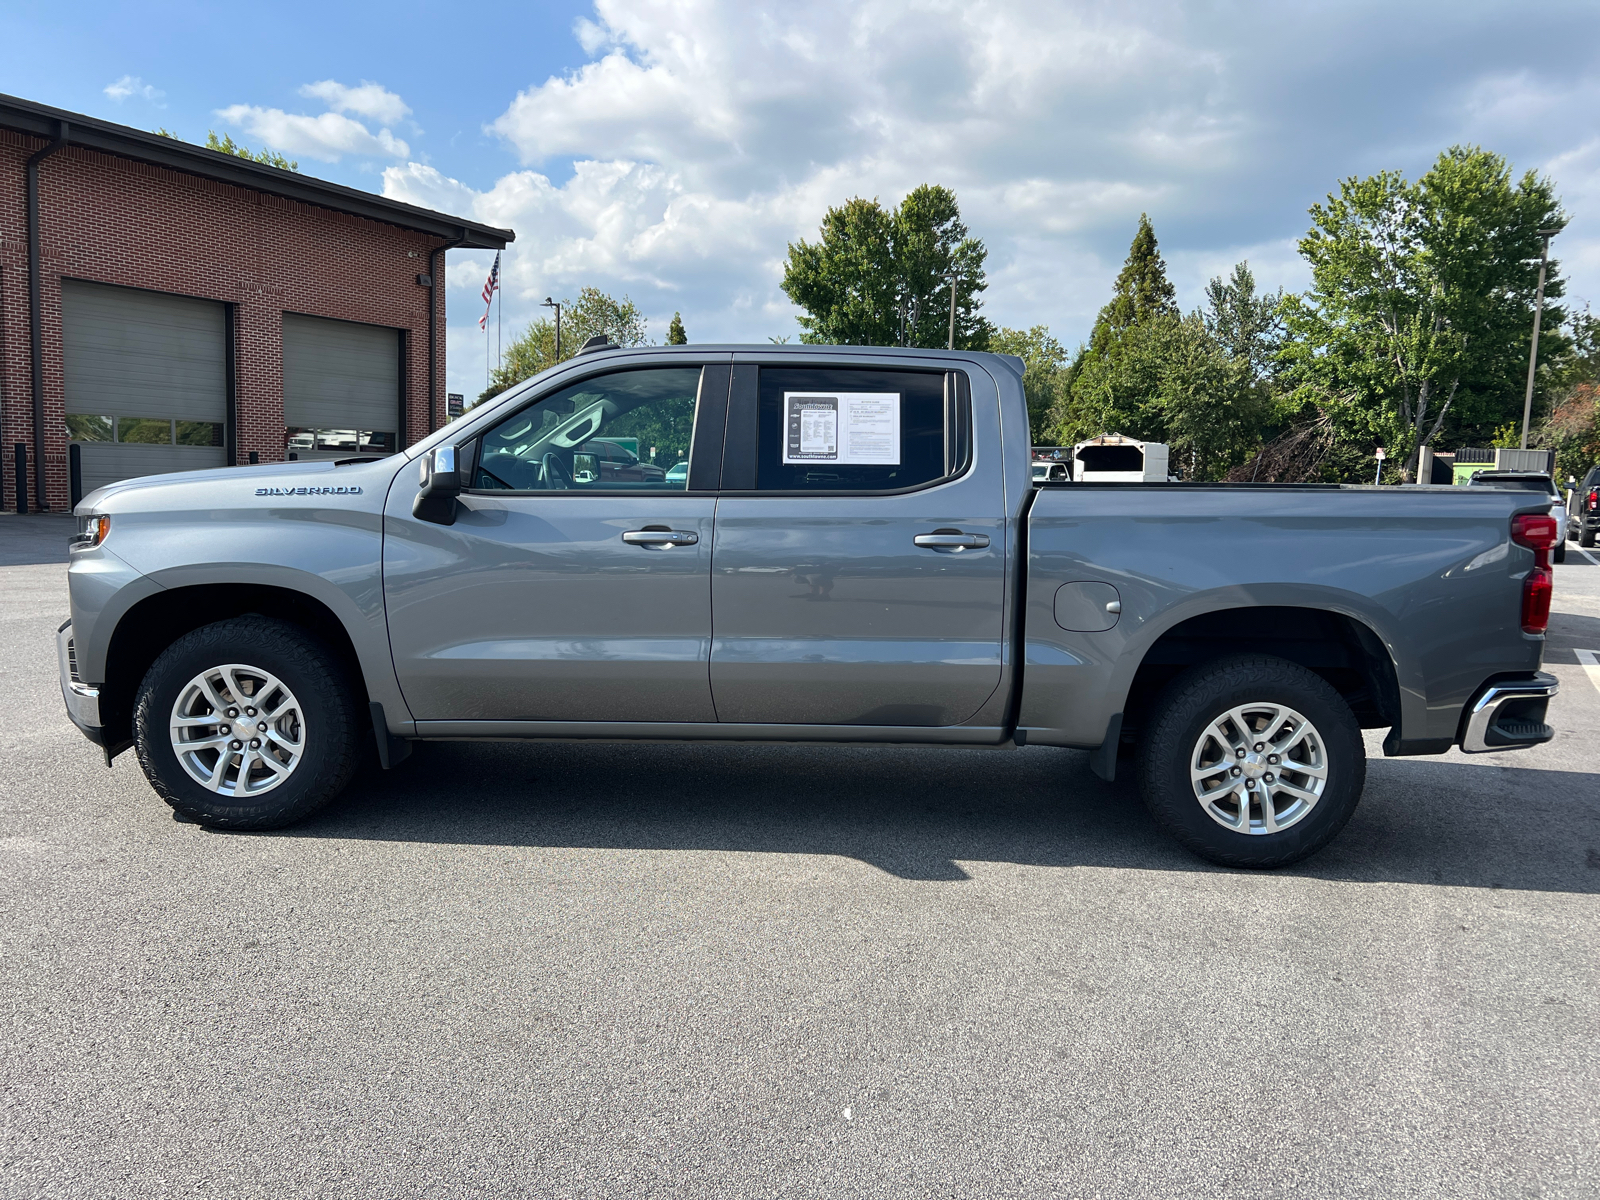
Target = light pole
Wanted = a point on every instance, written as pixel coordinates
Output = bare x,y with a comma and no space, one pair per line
555,304
1533,351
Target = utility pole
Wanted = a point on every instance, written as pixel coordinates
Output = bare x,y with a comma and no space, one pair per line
1533,351
952,312
549,303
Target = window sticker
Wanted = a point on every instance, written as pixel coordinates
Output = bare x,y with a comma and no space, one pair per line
859,428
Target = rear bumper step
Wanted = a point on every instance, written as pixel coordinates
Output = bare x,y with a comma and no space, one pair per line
1509,715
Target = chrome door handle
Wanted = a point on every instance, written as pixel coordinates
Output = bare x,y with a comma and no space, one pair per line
661,537
951,540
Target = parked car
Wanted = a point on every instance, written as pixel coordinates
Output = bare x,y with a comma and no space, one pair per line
678,474
864,558
1531,481
621,466
1583,510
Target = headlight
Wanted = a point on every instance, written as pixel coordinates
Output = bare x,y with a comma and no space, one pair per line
92,531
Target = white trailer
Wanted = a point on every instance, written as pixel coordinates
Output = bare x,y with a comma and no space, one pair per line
1116,458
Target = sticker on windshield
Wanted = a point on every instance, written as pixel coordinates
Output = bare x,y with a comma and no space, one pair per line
845,427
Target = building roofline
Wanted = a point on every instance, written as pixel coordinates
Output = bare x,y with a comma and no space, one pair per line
91,133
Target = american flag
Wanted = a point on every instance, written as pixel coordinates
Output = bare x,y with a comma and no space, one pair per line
491,285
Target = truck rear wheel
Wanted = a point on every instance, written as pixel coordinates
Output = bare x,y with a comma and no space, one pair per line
246,724
1252,761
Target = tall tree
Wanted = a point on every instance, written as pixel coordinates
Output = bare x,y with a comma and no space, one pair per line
1202,383
1142,291
534,349
1247,325
880,277
1168,379
1421,304
675,334
1141,295
1044,374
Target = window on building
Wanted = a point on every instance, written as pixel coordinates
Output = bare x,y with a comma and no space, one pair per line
143,431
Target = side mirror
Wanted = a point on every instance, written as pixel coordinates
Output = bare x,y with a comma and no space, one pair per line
436,500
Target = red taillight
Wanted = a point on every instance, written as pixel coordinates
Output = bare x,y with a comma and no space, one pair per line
1536,589
1594,499
1538,532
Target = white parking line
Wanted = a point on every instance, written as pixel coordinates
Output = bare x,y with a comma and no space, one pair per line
1586,554
1591,665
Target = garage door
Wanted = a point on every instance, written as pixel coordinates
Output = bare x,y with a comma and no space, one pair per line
341,387
146,381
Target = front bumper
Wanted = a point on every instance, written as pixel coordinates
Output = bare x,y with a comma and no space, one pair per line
1508,714
82,699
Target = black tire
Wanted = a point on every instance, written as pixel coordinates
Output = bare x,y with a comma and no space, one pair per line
1205,693
1560,553
1586,536
330,734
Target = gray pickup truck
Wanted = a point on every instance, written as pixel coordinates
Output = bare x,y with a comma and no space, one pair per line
798,544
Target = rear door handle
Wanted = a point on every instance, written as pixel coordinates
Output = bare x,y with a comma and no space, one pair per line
951,539
661,537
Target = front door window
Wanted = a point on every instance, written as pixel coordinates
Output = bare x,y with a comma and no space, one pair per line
620,432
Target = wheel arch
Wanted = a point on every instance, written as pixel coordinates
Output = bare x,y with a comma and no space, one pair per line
156,621
1339,646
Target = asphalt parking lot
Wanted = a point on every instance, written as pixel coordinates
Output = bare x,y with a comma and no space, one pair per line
630,971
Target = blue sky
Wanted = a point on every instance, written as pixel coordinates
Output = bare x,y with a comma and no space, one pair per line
669,149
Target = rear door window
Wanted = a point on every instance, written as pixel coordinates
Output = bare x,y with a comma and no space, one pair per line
836,429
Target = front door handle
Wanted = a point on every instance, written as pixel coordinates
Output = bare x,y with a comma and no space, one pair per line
661,537
951,539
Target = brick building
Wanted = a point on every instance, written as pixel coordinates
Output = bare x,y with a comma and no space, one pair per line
192,309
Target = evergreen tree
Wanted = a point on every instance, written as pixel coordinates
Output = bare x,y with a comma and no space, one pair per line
1141,296
1142,291
675,334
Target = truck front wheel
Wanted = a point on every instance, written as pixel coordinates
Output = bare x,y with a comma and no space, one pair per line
246,724
1252,761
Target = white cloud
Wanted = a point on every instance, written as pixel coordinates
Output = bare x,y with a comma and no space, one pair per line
327,137
132,85
370,100
699,137
330,135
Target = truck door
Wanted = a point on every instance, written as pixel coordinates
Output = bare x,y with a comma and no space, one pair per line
566,592
858,575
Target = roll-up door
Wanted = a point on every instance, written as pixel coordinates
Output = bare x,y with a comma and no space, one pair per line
341,387
146,381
